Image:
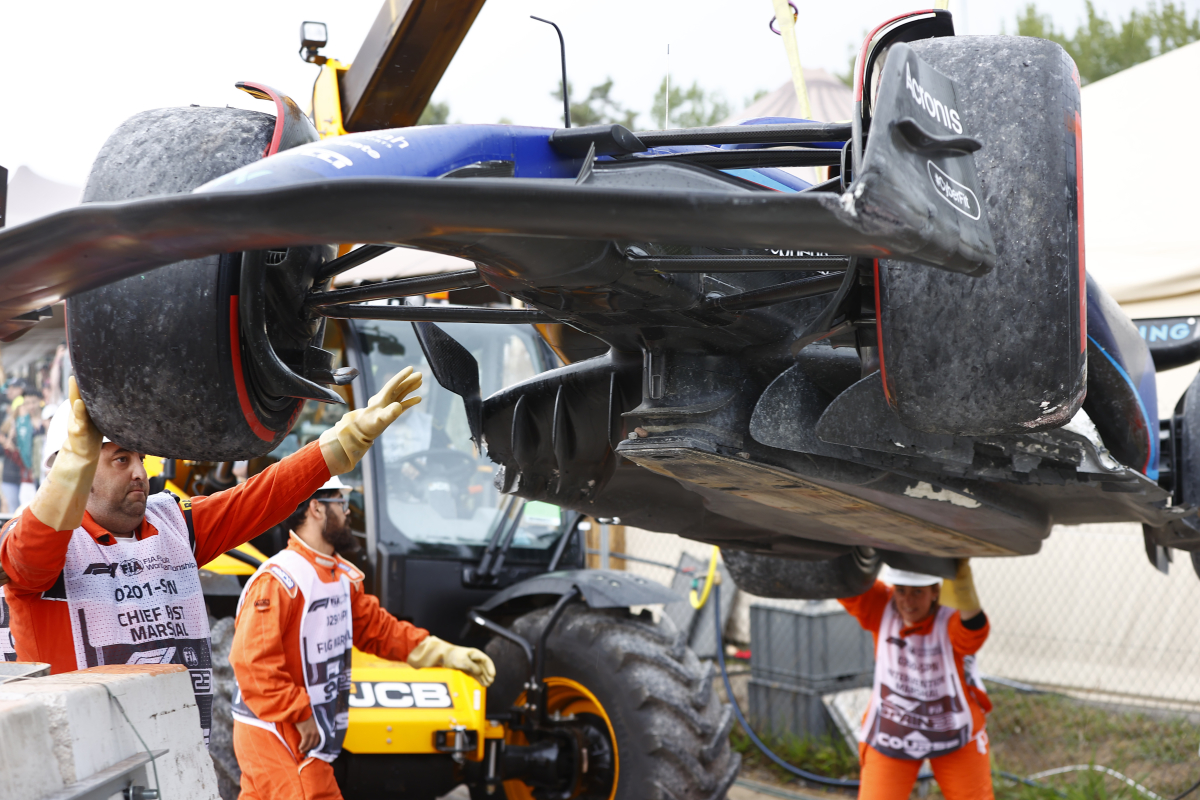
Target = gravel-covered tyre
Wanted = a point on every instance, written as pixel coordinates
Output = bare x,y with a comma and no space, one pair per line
220,744
848,575
159,357
1003,353
638,681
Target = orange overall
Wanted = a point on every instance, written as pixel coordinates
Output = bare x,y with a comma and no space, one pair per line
34,555
964,774
267,661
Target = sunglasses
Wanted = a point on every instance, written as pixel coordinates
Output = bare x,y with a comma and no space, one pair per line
344,503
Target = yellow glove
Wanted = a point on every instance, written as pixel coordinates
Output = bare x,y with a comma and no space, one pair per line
433,652
959,592
347,442
61,501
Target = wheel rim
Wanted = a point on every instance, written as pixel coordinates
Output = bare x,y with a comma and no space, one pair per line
566,696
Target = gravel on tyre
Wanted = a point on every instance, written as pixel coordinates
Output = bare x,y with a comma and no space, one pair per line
848,575
157,355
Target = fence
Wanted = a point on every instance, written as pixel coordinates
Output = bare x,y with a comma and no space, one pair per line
1088,615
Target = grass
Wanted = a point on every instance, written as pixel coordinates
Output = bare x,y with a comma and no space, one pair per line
827,755
1034,732
1030,733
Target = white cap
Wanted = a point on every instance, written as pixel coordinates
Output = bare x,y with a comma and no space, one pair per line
902,577
56,435
334,482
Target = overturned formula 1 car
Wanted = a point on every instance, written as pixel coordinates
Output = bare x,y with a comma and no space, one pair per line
904,363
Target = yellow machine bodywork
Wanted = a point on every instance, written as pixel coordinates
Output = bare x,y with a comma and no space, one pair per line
222,564
327,99
395,708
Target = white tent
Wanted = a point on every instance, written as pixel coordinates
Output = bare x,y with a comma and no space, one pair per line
1139,179
829,100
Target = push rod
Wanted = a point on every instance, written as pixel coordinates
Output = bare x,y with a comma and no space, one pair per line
495,316
404,287
747,159
351,260
717,264
780,293
790,133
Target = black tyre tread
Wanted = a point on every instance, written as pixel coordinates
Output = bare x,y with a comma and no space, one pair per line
989,355
672,730
140,158
771,576
220,747
163,336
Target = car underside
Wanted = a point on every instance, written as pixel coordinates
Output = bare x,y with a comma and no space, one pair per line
905,362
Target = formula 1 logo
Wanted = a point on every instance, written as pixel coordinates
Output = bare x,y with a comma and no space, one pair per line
131,567
101,569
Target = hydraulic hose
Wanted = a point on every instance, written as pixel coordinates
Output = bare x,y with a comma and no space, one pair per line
737,711
699,601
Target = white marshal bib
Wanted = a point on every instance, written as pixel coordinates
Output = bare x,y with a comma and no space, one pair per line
140,602
326,639
918,706
8,647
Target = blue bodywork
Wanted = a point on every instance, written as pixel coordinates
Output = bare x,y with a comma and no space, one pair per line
1117,340
433,151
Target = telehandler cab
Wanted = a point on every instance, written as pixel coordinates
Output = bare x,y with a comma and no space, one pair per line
616,706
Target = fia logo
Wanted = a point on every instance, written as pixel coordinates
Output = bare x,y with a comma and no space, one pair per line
190,658
131,567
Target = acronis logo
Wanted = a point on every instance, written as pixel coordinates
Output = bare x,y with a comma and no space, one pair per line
937,109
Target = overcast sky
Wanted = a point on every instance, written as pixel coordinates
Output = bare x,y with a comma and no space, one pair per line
77,69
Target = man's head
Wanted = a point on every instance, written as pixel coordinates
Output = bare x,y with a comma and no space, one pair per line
14,388
916,595
323,520
118,498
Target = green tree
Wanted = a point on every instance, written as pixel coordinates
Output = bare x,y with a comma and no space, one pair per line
435,114
598,107
759,94
1101,48
690,108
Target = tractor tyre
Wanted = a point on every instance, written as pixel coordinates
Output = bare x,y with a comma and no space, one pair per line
643,689
220,744
158,356
848,575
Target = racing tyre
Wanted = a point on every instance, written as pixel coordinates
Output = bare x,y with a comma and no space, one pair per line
1005,352
640,686
770,576
159,357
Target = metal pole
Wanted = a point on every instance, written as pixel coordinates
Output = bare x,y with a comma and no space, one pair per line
604,526
562,46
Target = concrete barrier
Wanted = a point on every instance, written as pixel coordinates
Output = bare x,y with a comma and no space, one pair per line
60,729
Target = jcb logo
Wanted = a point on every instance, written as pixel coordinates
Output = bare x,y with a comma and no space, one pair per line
131,567
101,569
396,694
